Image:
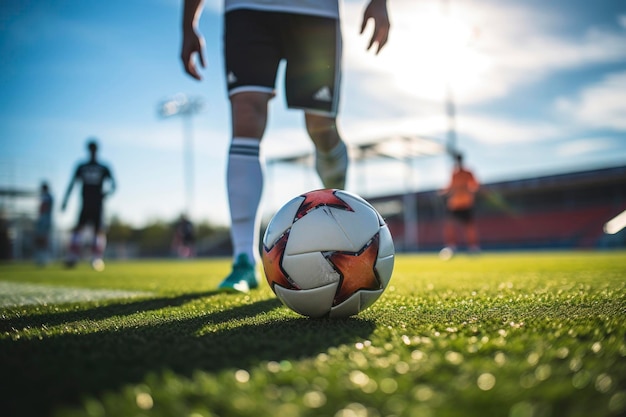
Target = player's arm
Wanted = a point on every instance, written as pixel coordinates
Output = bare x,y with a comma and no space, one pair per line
193,43
112,184
377,11
473,184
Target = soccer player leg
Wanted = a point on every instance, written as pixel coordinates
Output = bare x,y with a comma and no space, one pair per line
331,153
251,67
75,241
449,230
73,254
472,233
312,83
99,242
42,240
245,185
99,245
244,181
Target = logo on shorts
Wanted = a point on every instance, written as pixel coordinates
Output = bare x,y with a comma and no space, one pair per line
231,77
323,94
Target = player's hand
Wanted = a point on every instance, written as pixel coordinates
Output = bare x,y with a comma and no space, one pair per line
193,44
377,10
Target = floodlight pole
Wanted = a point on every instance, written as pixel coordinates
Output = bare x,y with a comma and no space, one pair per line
188,164
451,114
185,107
450,105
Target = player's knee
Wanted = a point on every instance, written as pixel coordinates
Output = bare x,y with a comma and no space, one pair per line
317,125
322,131
249,113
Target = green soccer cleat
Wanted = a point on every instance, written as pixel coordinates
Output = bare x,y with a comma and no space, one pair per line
243,278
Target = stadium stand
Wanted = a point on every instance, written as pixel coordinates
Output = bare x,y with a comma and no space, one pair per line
554,211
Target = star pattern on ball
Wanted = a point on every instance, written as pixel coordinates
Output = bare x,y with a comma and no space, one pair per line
272,262
319,198
361,269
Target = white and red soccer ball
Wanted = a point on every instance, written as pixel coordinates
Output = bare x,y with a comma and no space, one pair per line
328,253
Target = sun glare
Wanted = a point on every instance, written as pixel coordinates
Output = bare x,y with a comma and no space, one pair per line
430,51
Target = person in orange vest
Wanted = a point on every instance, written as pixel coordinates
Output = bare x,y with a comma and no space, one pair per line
460,193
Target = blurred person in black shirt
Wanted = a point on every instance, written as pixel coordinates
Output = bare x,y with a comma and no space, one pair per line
93,175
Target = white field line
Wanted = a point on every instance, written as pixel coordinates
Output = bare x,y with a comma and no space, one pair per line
15,294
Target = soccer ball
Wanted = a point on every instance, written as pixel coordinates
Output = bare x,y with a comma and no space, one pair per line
328,253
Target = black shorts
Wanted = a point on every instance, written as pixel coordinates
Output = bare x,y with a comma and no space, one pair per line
255,42
91,214
463,215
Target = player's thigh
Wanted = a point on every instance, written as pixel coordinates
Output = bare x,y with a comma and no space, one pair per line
91,215
313,70
464,216
252,51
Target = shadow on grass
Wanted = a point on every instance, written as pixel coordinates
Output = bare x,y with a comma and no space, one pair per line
125,308
41,375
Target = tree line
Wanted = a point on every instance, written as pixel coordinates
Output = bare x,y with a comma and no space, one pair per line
155,239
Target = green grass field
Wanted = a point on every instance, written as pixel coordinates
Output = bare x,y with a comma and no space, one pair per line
511,335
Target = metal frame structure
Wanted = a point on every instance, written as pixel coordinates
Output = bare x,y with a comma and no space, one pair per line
403,149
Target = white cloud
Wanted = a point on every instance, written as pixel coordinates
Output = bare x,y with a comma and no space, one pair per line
584,146
601,105
497,48
507,47
494,131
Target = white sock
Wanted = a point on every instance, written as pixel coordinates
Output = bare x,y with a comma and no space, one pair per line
244,180
332,166
99,245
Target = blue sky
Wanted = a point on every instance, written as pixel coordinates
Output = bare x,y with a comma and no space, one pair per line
540,88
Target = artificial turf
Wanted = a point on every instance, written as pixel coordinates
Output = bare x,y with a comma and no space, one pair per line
532,334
